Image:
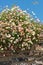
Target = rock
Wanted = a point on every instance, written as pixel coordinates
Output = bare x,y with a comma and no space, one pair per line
21,63
36,53
30,59
31,53
19,59
33,64
5,63
15,60
38,62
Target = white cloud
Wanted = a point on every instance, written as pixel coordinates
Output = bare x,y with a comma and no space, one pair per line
33,13
38,19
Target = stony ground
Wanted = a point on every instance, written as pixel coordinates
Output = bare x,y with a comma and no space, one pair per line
23,61
34,58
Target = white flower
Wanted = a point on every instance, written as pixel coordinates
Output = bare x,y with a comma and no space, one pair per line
21,16
28,47
5,48
33,33
17,35
26,22
8,35
23,49
11,13
31,19
34,38
26,44
14,13
21,20
12,38
2,49
21,12
7,27
13,23
23,44
3,41
11,41
14,8
10,20
30,42
16,40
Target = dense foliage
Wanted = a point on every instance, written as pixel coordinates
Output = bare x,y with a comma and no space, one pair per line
17,30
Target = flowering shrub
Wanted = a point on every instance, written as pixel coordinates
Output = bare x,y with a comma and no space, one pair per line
17,32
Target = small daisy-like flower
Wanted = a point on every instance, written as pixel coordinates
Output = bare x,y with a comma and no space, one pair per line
33,33
2,49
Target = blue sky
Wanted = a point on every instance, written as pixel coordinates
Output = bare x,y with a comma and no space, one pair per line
28,5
